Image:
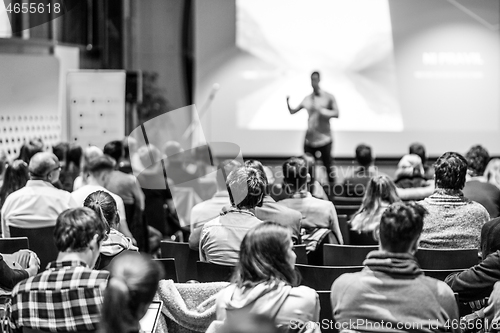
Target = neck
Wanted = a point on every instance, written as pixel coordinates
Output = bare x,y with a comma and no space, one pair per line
92,181
74,256
316,91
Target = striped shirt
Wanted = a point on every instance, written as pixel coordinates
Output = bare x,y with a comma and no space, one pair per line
65,297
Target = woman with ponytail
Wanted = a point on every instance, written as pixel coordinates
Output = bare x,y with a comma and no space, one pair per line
132,285
115,243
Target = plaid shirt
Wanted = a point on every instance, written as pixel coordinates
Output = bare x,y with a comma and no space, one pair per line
65,297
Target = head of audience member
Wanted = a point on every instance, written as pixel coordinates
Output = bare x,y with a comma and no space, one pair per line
246,187
100,169
147,152
114,149
61,150
490,237
295,174
418,149
228,166
492,172
311,165
380,189
477,159
28,150
257,165
364,155
410,166
74,156
266,255
78,235
315,78
16,177
45,166
103,204
400,227
132,284
450,171
89,154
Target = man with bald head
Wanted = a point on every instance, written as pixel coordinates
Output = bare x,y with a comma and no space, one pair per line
39,203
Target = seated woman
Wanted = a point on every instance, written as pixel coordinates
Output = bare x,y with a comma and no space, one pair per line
410,172
379,194
116,243
131,287
265,282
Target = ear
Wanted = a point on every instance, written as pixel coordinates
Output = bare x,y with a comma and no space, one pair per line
414,246
94,244
308,178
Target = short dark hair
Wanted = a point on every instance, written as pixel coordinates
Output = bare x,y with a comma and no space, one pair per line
477,159
114,149
316,73
400,225
61,150
364,155
228,166
295,172
246,187
418,149
75,228
257,165
450,171
101,163
75,153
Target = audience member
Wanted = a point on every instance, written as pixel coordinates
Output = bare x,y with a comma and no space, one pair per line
316,213
392,290
28,150
271,211
127,187
88,154
211,208
410,172
221,237
492,172
16,177
115,243
477,187
99,170
477,282
380,193
357,178
265,282
38,204
61,151
67,296
132,285
17,267
453,220
314,186
419,149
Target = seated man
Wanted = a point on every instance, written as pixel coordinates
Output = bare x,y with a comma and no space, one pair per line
271,211
221,237
211,208
453,220
356,181
391,293
68,295
38,204
419,149
316,213
477,187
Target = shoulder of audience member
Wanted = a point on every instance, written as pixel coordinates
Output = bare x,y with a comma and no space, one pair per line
308,295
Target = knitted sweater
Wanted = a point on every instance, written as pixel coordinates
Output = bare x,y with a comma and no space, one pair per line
391,294
453,221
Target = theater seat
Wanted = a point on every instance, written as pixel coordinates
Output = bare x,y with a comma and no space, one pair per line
41,241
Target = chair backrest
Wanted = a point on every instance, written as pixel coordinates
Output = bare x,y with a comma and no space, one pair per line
348,210
344,228
347,201
446,258
322,277
34,330
169,268
300,251
345,255
326,312
363,238
14,244
41,241
185,259
208,272
440,274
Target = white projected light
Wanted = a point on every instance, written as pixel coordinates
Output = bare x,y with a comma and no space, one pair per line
285,40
